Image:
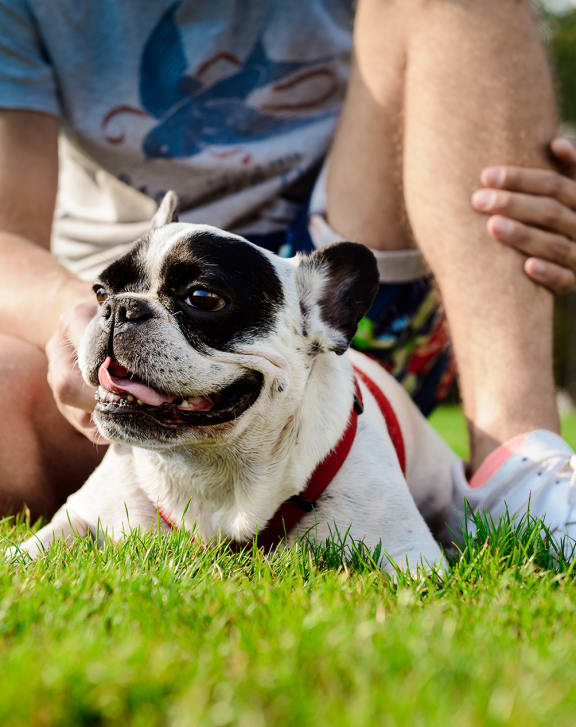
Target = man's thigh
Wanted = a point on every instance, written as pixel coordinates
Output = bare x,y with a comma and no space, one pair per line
42,458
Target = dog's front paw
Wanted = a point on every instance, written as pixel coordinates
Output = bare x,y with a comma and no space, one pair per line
14,553
10,553
25,552
419,563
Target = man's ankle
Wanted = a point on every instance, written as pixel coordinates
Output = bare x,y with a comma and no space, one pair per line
487,438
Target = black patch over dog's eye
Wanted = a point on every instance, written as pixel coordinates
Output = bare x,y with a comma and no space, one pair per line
101,293
205,300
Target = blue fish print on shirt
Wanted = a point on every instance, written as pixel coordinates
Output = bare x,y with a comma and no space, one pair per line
194,116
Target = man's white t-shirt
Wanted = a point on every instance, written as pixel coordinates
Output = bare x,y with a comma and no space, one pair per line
231,103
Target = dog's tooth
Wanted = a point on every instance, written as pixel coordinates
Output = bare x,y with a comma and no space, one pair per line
130,398
139,402
190,402
195,403
113,398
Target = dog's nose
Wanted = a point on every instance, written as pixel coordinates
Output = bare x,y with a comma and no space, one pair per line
127,310
133,309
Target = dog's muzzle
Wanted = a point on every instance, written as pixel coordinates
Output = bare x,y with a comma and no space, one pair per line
121,392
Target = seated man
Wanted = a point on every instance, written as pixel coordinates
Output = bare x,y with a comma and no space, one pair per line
236,111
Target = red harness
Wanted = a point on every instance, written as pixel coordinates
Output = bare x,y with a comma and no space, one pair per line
293,510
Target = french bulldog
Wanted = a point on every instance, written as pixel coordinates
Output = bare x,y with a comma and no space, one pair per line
225,382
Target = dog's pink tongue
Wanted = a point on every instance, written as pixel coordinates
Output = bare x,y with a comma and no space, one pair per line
123,385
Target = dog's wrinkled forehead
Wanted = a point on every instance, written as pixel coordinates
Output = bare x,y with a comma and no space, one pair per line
174,259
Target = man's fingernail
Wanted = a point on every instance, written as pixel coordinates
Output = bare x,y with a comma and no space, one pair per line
483,199
564,145
493,176
502,226
539,267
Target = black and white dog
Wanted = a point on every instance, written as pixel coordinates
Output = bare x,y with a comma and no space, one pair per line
232,403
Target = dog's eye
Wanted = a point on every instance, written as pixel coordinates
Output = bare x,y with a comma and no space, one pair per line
101,293
204,300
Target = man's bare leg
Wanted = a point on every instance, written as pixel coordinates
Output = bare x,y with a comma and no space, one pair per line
42,458
441,90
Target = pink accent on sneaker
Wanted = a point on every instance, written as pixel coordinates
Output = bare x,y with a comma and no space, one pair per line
496,459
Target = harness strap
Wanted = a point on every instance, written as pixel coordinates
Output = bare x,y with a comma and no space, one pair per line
293,510
389,416
167,519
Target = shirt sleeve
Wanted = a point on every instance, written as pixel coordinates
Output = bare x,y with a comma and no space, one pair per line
27,79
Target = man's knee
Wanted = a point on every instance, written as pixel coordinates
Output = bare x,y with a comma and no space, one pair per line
42,459
408,5
415,14
23,382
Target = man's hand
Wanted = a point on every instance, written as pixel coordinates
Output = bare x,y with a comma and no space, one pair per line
74,398
534,210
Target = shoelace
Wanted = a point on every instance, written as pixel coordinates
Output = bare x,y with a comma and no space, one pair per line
572,492
566,464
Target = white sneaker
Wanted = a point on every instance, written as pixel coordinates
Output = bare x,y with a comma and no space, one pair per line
535,472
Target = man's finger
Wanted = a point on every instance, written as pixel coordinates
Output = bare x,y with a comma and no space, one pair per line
82,315
558,279
564,150
539,211
534,242
538,182
73,322
64,376
82,422
71,390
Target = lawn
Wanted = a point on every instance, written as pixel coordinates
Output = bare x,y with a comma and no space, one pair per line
450,422
157,631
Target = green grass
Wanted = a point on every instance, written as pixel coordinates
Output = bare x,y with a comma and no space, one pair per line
158,631
449,421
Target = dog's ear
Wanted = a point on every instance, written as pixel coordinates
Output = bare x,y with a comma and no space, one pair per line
337,285
167,211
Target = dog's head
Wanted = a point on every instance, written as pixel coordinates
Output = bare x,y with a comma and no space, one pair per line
200,333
